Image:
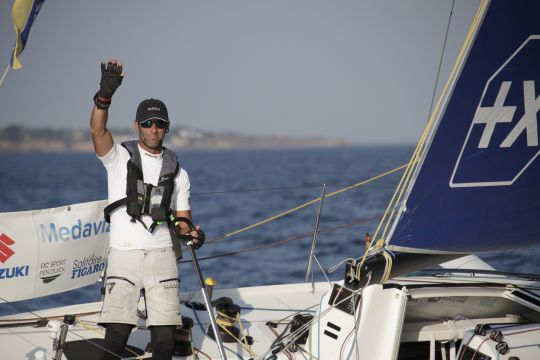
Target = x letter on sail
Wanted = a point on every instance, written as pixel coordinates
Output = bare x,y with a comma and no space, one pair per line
528,121
502,140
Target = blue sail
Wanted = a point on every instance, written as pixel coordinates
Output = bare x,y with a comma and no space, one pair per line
478,187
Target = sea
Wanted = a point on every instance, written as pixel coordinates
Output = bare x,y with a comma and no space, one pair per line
235,192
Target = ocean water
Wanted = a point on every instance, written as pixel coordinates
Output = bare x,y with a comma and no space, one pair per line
234,189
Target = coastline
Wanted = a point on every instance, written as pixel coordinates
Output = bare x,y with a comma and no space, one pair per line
22,139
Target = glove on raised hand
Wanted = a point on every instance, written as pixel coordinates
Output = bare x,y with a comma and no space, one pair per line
111,78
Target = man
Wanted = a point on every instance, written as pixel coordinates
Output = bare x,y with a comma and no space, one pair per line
145,182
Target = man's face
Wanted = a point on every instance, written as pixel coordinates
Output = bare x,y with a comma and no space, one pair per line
151,137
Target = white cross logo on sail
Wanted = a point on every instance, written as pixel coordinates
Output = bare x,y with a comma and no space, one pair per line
491,116
499,113
502,140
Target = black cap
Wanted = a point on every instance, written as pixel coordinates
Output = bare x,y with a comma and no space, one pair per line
152,109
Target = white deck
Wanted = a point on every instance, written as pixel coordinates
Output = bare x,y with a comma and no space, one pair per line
439,310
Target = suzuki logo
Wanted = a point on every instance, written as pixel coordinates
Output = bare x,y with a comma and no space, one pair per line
502,141
5,251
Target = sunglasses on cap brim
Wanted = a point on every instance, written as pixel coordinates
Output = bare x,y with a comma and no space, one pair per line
160,124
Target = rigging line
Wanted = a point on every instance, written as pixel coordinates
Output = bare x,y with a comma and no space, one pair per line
287,352
422,143
287,212
323,231
101,333
4,75
279,188
441,59
395,200
437,112
201,327
256,189
291,337
29,321
69,330
202,352
420,148
60,317
297,237
277,243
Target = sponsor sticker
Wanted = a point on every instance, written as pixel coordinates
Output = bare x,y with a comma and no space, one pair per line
5,251
87,265
50,270
502,141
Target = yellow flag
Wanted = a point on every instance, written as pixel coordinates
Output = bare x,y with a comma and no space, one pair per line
23,14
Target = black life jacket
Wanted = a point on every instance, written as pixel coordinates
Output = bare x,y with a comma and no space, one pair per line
147,199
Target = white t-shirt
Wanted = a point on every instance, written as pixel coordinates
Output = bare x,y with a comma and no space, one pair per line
127,235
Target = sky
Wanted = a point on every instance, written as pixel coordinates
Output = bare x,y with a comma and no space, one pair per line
363,71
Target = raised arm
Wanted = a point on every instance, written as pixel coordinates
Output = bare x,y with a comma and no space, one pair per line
111,78
103,141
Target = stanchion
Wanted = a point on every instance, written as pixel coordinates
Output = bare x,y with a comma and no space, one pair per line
189,243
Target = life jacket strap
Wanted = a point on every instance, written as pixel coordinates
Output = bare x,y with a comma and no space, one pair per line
109,209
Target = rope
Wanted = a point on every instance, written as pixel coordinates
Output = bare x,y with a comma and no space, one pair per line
223,320
202,352
292,337
279,188
442,57
287,212
94,330
421,147
254,190
281,242
4,75
287,352
100,333
37,317
242,331
387,267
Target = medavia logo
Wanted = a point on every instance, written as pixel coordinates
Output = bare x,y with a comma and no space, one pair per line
53,232
502,141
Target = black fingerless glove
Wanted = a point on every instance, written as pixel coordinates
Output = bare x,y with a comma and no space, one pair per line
111,78
200,240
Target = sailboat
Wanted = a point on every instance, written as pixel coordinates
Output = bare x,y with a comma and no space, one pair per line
471,186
